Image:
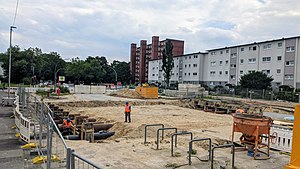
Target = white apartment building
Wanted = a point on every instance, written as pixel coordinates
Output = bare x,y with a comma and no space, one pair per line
187,69
279,58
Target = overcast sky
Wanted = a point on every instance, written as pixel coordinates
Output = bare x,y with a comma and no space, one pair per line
107,27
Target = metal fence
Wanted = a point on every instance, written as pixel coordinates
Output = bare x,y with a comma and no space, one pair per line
34,121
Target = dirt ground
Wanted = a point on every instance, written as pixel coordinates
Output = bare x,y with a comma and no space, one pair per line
127,150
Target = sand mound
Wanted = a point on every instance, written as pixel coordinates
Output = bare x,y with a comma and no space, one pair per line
126,93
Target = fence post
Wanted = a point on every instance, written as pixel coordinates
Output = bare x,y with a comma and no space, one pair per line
49,141
69,152
41,125
72,160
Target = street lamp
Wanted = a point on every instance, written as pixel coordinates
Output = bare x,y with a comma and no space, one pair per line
114,71
9,64
55,77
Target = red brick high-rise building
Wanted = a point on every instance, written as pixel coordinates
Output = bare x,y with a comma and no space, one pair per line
139,56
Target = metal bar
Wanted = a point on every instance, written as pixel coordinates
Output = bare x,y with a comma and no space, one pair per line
72,160
191,148
163,129
68,159
48,144
149,125
223,146
85,160
176,134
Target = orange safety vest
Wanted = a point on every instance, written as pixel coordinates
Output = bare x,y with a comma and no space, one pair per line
66,123
127,108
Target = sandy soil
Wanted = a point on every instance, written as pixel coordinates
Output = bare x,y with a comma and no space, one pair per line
126,148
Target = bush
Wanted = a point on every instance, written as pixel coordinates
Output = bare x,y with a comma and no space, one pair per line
64,89
26,80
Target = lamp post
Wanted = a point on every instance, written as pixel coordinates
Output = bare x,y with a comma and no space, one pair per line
9,64
115,72
55,77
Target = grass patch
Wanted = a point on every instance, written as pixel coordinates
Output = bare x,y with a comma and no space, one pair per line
194,152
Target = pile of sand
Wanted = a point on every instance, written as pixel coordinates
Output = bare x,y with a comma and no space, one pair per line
127,94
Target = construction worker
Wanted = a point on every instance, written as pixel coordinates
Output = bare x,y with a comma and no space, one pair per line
67,126
241,111
127,112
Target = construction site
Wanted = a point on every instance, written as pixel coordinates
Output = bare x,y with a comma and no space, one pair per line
176,131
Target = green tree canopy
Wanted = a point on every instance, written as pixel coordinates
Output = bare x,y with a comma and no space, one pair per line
256,80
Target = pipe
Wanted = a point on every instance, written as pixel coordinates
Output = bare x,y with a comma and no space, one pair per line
151,125
99,127
97,136
295,156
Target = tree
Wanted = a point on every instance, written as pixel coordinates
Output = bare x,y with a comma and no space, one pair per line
168,62
123,71
256,80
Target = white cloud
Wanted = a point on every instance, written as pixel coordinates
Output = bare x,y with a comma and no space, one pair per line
82,28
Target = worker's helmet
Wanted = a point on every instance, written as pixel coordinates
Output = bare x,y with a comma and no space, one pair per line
68,119
126,102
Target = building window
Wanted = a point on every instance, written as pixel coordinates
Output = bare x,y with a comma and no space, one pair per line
233,55
242,61
242,49
279,58
185,58
254,48
194,73
185,65
213,63
221,52
220,72
213,53
195,56
290,49
194,65
266,72
189,74
289,77
212,73
153,68
232,76
278,71
250,48
266,59
226,72
279,44
153,74
177,58
241,72
251,71
221,62
190,57
289,63
233,65
252,60
226,62
267,46
189,65
227,51
184,74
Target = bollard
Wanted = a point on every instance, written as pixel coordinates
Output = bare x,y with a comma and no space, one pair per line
151,125
163,129
176,134
295,156
191,148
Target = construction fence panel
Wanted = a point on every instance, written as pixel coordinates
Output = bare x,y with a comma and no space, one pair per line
88,89
49,140
22,123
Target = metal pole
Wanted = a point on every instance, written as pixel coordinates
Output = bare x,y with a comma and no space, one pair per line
9,64
68,161
49,140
